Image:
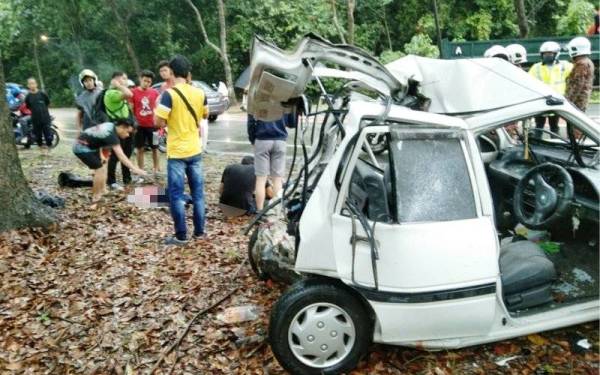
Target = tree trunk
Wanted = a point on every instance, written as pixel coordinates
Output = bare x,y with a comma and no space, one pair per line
225,53
522,18
127,37
351,6
336,23
220,50
18,205
36,58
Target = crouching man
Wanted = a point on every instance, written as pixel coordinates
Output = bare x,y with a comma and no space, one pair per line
93,146
237,189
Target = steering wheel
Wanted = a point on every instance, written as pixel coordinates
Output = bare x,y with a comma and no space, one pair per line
549,205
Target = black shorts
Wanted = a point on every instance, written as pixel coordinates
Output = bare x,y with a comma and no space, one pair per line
91,159
143,137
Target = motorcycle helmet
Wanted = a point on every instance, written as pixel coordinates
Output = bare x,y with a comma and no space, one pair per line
552,47
579,46
517,53
87,73
497,51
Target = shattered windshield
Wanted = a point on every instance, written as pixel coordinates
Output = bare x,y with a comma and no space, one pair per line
432,179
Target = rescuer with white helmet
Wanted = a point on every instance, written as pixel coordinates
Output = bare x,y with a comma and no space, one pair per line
554,73
517,54
581,79
497,51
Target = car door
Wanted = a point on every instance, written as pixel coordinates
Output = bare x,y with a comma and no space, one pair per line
428,262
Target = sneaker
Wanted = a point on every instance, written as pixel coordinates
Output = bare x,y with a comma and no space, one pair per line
200,236
174,241
115,186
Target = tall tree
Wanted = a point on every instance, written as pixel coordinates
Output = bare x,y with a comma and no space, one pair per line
220,49
350,16
123,21
336,22
18,205
522,18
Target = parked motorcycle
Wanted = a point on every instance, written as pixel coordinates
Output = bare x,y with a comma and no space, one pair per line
162,140
23,131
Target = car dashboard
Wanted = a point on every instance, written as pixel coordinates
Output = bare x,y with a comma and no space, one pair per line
510,166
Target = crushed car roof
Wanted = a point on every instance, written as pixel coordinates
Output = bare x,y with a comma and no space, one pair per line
277,75
468,86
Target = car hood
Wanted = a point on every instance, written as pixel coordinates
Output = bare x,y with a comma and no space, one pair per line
468,86
277,76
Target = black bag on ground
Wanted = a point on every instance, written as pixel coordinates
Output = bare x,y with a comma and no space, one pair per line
67,179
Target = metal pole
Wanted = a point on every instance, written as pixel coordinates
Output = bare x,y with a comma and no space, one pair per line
437,27
37,64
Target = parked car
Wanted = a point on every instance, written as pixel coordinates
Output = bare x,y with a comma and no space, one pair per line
217,104
430,242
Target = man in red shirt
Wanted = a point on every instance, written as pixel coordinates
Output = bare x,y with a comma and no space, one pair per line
143,102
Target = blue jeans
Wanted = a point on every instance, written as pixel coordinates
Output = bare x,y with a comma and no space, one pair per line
176,171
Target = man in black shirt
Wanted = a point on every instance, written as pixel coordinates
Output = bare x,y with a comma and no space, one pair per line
237,189
38,102
93,146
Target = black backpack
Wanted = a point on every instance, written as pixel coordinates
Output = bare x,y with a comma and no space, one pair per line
100,114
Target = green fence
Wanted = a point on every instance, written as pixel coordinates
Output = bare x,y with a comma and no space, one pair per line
461,50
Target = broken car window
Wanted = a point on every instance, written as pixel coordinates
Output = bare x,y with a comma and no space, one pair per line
432,180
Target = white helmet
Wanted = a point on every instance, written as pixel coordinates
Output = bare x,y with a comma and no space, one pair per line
579,46
497,51
550,46
517,53
87,73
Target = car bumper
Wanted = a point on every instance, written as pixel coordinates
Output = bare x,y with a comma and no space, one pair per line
216,108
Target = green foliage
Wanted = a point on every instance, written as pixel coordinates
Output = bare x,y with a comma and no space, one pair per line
421,45
389,56
480,24
577,18
86,33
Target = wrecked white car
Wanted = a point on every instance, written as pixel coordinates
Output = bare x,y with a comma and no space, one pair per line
423,208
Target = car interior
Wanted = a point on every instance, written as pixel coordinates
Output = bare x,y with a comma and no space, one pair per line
557,262
553,265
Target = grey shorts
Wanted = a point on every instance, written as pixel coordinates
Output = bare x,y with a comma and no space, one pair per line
269,158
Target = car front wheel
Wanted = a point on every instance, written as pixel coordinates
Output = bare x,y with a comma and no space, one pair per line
212,118
319,328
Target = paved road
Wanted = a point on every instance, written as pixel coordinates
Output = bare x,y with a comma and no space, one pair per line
227,135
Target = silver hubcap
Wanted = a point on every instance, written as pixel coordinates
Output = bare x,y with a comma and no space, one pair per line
321,335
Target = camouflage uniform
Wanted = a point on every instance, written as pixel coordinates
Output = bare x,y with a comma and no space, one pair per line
580,81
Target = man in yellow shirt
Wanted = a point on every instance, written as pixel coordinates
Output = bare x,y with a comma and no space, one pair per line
554,73
182,107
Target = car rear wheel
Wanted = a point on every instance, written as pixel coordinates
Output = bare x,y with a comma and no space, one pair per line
212,118
319,328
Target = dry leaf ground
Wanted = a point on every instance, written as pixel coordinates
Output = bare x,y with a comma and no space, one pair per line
100,294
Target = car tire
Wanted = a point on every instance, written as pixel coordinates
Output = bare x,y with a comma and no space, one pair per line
345,325
212,118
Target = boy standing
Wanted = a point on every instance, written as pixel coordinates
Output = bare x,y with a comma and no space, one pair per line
37,102
182,107
144,102
115,102
269,140
166,74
